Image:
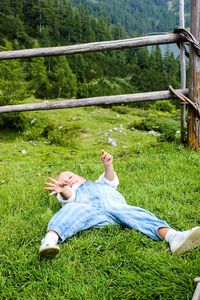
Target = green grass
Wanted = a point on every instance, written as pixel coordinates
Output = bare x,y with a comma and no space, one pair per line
111,263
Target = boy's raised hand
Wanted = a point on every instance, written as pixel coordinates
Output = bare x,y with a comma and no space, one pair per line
106,158
56,186
107,161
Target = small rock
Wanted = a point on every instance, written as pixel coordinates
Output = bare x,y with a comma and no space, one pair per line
153,133
112,142
32,121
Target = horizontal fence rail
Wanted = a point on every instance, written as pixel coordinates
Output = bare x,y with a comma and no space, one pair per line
104,100
168,38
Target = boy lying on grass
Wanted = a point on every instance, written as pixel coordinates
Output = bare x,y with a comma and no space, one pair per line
86,204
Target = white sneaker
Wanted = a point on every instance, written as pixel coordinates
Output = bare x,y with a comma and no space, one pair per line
48,250
185,241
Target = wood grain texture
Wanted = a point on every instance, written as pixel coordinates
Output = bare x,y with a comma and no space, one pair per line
104,100
194,86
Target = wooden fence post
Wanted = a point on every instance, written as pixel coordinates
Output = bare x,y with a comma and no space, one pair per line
182,70
194,86
196,295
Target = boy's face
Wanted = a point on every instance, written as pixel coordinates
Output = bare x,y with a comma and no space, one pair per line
71,178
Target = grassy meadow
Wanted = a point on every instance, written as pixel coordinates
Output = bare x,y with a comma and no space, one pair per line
109,263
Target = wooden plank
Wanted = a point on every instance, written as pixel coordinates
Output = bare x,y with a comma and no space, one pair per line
194,86
104,100
169,38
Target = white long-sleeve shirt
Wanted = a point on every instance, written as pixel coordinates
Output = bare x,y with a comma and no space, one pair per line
114,184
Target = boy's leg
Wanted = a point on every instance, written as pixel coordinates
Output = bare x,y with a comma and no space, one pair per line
147,223
70,219
137,218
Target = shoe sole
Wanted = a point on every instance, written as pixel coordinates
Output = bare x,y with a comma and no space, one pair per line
191,242
49,252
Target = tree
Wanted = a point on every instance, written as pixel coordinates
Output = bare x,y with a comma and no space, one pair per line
13,86
37,76
13,89
64,82
171,68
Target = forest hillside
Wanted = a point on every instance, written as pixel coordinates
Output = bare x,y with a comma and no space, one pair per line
139,16
32,24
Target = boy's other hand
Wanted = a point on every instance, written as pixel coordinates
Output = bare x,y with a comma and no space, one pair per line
55,186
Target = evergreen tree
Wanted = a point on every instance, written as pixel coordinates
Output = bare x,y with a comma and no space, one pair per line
78,65
13,89
37,76
64,83
67,23
171,69
13,86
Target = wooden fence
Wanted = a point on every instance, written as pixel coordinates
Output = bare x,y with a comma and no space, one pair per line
93,47
193,92
104,100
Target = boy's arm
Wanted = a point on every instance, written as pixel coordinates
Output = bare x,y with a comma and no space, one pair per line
107,160
66,193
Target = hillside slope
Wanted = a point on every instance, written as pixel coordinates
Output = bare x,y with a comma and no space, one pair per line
138,16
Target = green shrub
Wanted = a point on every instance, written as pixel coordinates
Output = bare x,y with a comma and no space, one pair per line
166,126
13,121
53,133
120,109
104,86
143,113
61,135
164,105
168,129
137,124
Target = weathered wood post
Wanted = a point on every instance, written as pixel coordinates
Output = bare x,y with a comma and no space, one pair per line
194,86
196,295
182,69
